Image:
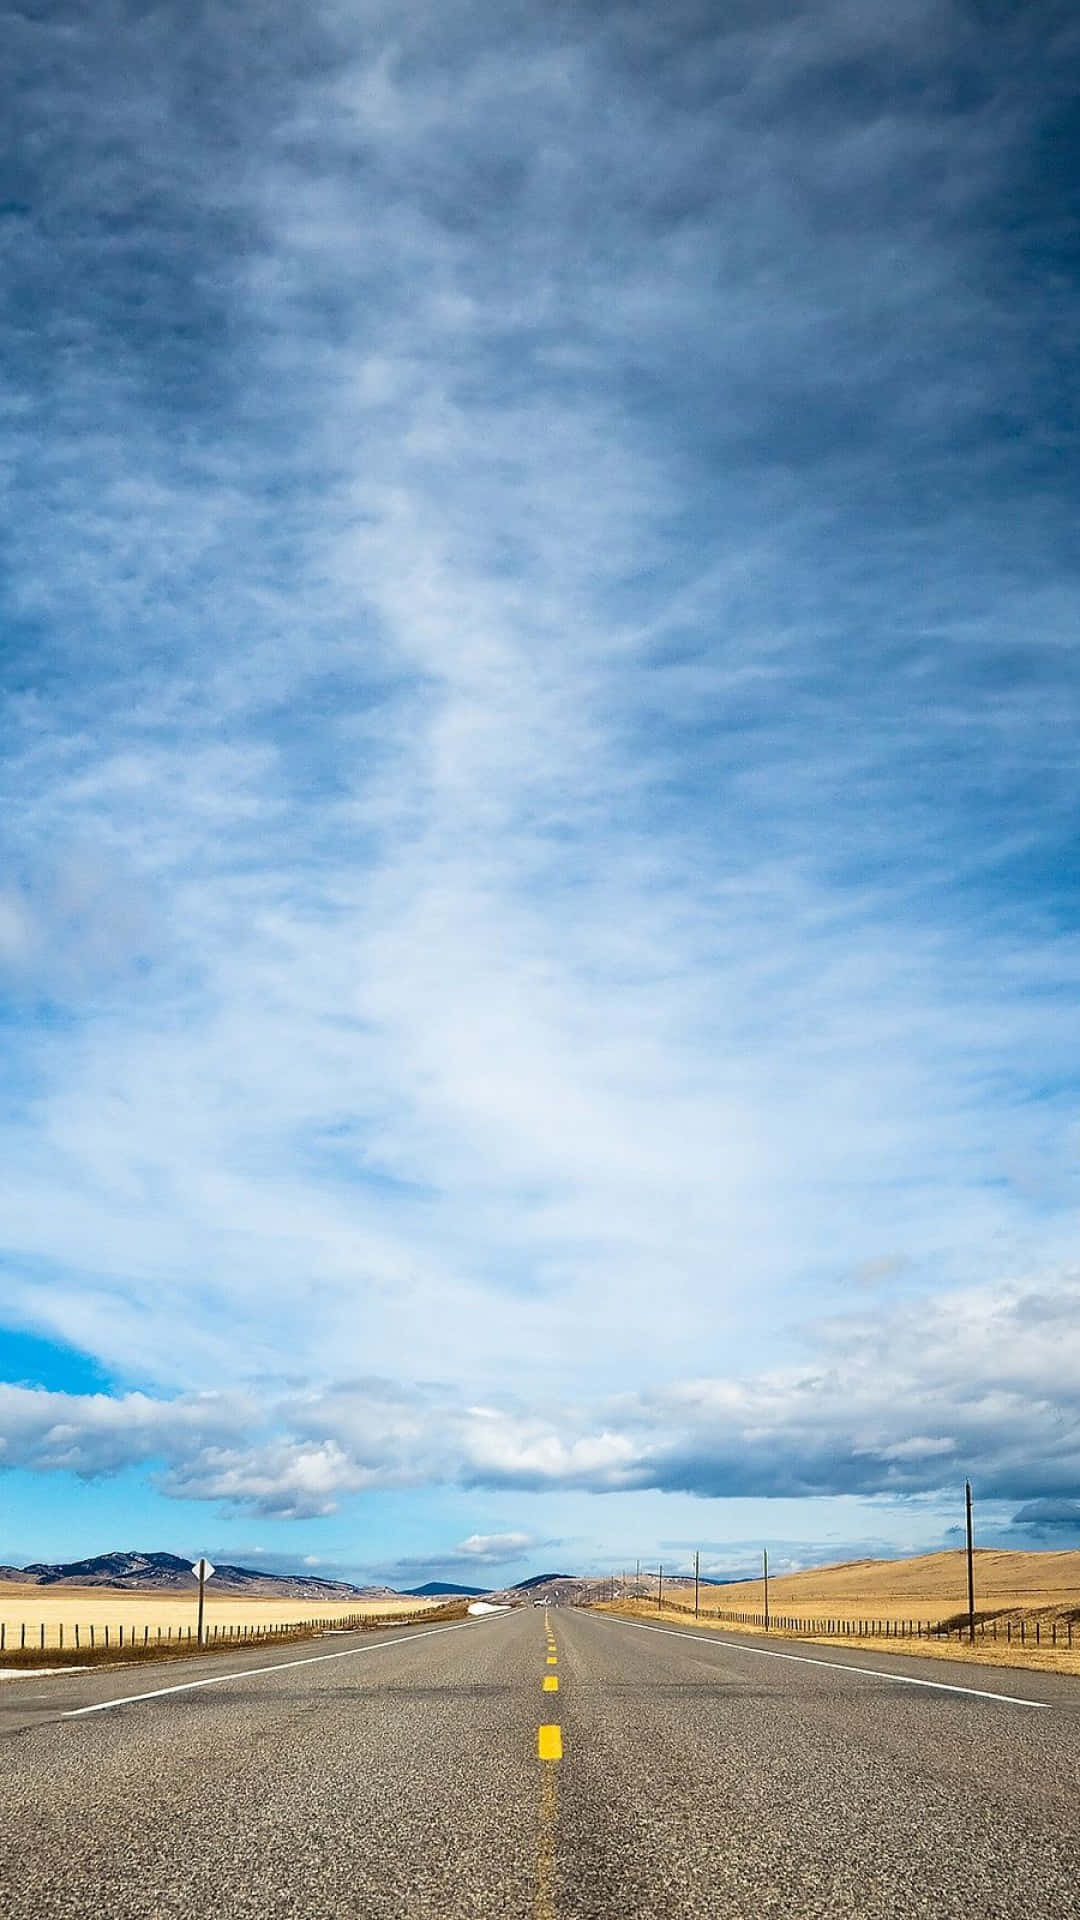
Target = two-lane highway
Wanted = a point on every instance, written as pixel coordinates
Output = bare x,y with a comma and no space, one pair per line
526,1766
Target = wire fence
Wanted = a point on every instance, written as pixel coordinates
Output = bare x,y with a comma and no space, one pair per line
69,1638
997,1628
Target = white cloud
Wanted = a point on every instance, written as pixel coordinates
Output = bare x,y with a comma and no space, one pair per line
494,1547
513,914
980,1383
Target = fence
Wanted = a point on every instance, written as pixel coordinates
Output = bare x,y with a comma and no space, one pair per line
1033,1633
65,1637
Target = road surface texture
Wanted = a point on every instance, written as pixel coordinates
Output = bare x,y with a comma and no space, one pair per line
398,1777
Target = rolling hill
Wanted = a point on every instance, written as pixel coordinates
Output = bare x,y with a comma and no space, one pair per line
169,1573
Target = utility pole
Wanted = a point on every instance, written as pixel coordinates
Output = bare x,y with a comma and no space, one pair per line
637,1581
970,1563
660,1591
765,1578
697,1582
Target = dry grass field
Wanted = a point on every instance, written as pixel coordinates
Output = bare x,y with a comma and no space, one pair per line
1013,1592
53,1607
931,1587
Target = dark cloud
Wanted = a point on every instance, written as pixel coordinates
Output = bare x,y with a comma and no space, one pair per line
1048,1513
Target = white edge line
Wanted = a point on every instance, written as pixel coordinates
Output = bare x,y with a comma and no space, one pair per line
252,1673
837,1666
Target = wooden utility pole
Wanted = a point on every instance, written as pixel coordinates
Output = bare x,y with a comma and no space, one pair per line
970,1563
765,1579
660,1591
697,1582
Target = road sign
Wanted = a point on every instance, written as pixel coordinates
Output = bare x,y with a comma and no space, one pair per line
202,1571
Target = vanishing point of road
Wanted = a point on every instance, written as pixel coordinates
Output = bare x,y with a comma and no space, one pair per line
531,1766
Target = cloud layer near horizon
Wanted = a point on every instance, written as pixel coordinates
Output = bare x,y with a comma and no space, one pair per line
984,1383
540,707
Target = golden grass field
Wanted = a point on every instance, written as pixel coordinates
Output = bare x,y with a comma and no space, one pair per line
1014,1586
101,1606
929,1587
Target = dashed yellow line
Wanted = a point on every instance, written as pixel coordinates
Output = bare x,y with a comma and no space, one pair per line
544,1904
548,1747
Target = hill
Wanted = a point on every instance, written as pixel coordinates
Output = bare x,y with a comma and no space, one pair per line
926,1586
169,1573
434,1589
538,1580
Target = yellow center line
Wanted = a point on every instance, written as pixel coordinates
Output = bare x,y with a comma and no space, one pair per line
551,1685
549,1743
552,1660
544,1904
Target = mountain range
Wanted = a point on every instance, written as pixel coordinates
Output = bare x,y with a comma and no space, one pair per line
168,1573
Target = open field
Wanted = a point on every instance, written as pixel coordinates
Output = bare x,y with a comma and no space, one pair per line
1045,1658
1014,1592
68,1607
932,1586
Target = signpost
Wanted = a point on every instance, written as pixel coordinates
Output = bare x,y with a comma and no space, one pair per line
202,1569
970,1563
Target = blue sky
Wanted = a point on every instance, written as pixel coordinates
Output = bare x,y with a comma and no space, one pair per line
538,884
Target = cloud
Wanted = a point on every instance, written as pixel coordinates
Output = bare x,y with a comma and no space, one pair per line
1049,1513
980,1383
495,1547
541,749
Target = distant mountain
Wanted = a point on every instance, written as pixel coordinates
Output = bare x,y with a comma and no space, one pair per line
538,1580
168,1573
433,1589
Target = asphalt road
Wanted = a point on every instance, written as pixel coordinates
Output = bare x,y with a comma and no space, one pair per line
397,1777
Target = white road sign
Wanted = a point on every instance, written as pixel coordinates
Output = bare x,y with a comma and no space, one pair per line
202,1569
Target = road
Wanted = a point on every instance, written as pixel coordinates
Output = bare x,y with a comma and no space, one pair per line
397,1777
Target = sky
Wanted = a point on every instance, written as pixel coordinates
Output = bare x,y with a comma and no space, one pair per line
539,898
